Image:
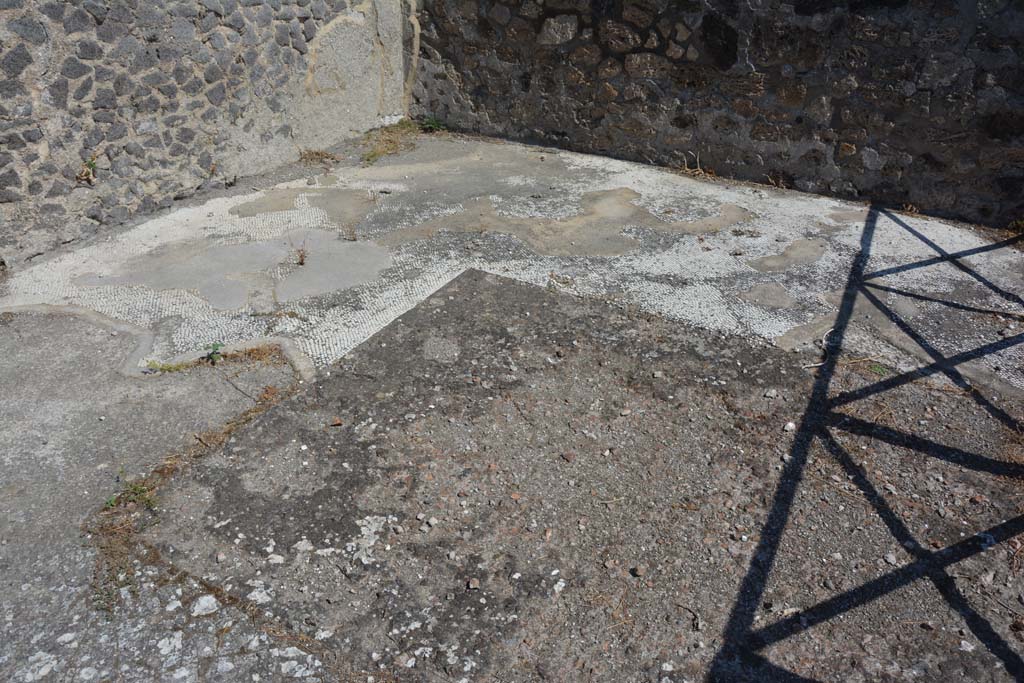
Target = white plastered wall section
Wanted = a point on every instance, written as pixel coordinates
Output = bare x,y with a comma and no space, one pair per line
355,80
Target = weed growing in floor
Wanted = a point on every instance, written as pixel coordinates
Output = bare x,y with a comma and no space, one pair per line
696,171
214,355
266,353
432,124
879,370
318,157
157,366
301,253
390,140
138,492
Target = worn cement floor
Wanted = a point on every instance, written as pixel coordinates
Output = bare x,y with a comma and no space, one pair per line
73,430
695,430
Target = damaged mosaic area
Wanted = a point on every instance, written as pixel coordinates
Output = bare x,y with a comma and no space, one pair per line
330,260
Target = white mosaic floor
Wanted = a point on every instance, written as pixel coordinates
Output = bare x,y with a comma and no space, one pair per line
160,275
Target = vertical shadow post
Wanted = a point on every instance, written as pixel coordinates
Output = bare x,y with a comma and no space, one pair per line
737,647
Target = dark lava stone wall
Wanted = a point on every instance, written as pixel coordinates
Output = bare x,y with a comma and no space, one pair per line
900,101
144,92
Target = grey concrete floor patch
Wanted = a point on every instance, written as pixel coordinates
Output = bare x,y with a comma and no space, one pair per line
72,428
222,274
297,265
331,263
771,294
798,253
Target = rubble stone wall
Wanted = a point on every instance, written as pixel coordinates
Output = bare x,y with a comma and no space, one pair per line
110,108
899,101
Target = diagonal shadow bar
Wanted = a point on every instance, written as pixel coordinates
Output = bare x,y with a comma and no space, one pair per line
929,564
951,372
957,456
945,584
925,371
978,624
955,262
741,644
887,583
767,671
943,259
945,302
889,517
736,643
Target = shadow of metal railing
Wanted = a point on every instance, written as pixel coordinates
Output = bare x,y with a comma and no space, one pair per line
740,656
